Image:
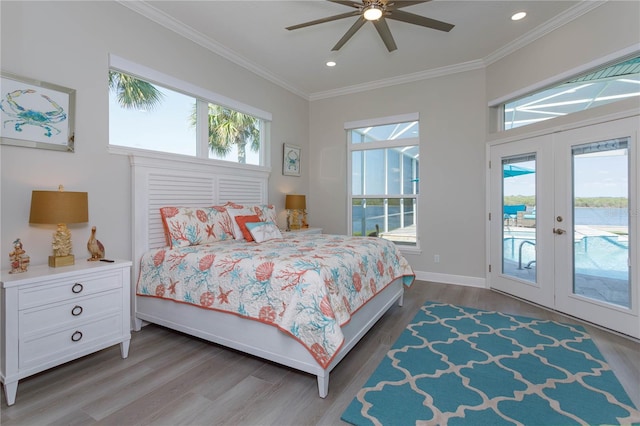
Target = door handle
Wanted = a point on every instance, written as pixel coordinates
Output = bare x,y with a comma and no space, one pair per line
558,231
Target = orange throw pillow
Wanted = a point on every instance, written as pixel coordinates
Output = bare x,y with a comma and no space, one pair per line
242,221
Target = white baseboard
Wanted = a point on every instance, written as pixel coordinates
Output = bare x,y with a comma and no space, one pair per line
452,279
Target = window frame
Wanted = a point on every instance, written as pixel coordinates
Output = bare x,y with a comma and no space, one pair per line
496,106
380,145
203,98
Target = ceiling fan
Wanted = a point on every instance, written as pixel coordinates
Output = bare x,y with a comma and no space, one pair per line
377,11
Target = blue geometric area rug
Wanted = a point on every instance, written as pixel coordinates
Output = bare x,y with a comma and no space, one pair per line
462,366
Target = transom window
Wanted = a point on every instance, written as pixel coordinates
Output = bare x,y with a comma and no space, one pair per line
605,85
145,113
384,176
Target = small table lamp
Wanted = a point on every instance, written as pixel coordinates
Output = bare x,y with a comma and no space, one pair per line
59,207
296,211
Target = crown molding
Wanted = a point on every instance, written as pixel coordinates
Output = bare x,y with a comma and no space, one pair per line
401,79
558,21
161,18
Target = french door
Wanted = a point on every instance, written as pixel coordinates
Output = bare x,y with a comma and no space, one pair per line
564,221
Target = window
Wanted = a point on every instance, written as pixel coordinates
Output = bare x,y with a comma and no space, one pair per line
605,85
384,176
145,113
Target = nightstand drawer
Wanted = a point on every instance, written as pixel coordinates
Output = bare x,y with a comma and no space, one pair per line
54,315
66,289
72,313
42,349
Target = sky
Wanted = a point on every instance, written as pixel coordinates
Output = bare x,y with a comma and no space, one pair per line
167,128
603,175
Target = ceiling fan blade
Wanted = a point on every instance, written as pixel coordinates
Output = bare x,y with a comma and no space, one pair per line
350,32
323,20
397,4
385,34
347,3
412,18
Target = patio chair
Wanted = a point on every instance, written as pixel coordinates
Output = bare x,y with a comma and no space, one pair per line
510,213
526,219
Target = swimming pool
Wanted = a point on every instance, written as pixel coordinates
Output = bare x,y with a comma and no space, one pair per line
599,255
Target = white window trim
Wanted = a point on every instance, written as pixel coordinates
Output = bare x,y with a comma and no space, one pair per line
203,97
149,74
380,121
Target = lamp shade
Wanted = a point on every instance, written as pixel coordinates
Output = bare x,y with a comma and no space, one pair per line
295,202
53,207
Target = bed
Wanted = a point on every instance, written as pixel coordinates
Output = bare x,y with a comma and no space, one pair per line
217,274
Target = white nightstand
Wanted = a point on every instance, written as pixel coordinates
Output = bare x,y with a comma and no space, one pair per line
306,231
54,315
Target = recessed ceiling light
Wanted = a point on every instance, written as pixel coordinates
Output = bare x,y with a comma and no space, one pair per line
518,16
331,63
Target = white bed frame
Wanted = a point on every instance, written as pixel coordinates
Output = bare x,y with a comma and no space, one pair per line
162,182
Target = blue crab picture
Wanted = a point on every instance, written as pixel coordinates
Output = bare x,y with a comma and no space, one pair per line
22,116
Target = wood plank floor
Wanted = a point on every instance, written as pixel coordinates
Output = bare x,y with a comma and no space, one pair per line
171,379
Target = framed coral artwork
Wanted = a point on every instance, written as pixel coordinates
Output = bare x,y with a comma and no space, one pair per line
36,114
291,160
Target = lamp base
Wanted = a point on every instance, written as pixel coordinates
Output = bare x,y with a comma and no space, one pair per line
55,261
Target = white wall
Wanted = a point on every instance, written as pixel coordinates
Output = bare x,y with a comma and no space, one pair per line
455,124
603,31
68,43
452,144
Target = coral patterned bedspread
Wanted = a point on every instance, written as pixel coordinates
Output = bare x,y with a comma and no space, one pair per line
306,285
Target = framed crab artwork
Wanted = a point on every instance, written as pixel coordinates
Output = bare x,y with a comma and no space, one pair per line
36,114
291,160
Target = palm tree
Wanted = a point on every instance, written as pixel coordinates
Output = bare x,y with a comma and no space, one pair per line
134,93
227,128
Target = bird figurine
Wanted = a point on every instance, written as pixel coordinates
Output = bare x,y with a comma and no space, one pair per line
94,246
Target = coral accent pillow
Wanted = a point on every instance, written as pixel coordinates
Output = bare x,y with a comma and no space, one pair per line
263,231
190,226
242,223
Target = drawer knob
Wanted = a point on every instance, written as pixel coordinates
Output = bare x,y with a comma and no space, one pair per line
77,288
77,310
75,337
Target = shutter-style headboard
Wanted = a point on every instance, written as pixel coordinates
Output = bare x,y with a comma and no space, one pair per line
159,182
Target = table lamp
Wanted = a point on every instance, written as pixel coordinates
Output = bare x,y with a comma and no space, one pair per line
296,211
59,207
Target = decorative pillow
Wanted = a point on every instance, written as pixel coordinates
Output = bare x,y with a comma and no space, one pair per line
266,212
242,223
263,231
233,213
190,226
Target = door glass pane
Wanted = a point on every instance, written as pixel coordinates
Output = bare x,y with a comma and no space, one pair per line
519,217
601,221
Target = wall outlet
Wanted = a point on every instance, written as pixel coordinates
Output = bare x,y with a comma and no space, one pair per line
436,258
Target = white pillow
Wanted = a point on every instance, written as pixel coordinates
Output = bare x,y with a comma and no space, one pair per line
237,232
263,231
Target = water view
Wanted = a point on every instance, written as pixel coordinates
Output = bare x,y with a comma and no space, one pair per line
600,249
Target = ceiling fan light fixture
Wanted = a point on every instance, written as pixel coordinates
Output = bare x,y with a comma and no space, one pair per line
373,12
